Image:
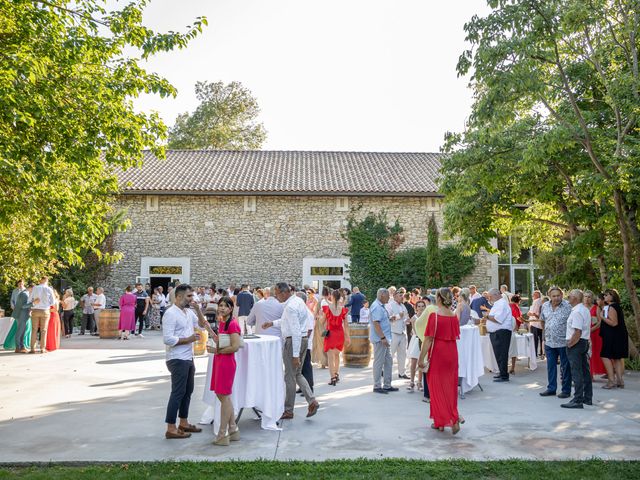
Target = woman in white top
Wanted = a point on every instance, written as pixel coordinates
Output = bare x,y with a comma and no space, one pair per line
154,316
68,305
414,346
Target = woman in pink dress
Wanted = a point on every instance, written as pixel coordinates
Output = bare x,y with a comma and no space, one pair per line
224,370
53,331
127,322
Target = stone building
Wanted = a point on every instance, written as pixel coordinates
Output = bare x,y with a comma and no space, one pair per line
267,216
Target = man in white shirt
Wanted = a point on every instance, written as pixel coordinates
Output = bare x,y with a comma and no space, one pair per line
398,317
99,305
42,299
473,293
506,294
500,327
578,334
293,325
178,331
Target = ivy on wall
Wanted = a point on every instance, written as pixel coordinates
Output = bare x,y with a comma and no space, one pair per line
375,258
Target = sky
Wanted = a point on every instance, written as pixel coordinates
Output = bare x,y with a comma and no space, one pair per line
354,75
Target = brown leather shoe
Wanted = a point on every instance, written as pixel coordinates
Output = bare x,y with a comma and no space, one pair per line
190,428
313,408
24,350
178,434
286,416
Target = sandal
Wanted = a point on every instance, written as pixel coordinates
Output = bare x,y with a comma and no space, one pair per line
420,387
411,386
609,386
433,426
455,428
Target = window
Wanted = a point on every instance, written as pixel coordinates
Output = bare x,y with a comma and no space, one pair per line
249,203
326,271
342,204
165,270
152,203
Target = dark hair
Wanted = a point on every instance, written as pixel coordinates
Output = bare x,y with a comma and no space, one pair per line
614,293
325,291
236,291
600,296
335,296
515,298
21,280
182,289
244,285
228,301
422,302
283,287
346,291
128,288
138,284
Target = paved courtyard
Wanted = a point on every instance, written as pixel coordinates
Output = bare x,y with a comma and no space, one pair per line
104,400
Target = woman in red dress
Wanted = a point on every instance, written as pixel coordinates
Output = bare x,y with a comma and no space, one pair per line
338,334
53,331
443,329
224,371
595,362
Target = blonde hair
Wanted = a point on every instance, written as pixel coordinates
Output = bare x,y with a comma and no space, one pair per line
445,296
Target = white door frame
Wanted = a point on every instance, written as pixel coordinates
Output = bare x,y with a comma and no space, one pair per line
185,262
308,278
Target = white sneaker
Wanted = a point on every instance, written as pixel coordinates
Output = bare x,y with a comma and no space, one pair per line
141,336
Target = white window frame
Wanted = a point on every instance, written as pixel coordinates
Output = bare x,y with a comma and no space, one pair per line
342,204
250,202
153,202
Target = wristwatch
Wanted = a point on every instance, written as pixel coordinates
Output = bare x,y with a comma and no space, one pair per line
383,338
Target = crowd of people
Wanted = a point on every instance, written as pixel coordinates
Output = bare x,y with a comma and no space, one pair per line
417,330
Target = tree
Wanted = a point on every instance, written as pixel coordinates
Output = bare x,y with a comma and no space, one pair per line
67,124
224,120
552,145
372,245
433,261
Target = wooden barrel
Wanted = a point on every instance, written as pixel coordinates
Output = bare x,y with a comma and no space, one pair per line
358,354
108,323
200,346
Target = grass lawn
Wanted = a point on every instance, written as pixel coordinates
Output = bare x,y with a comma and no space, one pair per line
338,469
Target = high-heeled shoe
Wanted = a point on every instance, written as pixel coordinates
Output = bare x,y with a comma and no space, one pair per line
333,381
455,428
222,442
235,435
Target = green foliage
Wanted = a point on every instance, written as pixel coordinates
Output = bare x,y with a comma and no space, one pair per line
224,120
376,261
552,145
433,261
68,73
410,267
372,248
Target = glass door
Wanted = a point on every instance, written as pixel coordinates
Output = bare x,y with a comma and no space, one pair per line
523,284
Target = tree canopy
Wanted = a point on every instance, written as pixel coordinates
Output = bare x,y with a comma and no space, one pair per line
68,74
552,146
224,120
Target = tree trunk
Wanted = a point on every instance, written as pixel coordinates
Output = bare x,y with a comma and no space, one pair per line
602,266
627,257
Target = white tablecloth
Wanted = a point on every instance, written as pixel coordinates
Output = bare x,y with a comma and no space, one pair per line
523,345
5,326
259,382
470,364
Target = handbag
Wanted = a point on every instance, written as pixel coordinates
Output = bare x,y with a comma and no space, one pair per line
326,333
427,362
224,340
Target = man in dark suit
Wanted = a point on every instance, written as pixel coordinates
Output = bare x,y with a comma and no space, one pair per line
356,303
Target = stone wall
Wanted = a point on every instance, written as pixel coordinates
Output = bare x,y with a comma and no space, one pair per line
227,244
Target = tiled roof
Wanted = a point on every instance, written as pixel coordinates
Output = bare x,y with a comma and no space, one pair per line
227,172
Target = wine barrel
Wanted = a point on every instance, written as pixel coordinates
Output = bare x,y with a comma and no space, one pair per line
200,346
108,323
358,354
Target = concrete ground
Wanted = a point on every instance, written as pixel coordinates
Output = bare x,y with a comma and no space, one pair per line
104,400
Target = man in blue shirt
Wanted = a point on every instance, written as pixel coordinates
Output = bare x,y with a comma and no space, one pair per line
356,302
380,335
244,301
477,305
